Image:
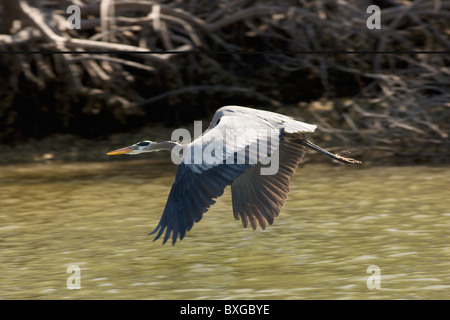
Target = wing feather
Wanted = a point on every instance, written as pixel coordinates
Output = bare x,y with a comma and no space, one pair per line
190,197
271,190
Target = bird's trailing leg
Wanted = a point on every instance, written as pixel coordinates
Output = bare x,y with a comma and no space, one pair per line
337,157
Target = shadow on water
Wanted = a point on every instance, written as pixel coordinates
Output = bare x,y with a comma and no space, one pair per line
337,222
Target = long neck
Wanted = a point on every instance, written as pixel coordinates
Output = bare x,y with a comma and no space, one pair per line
163,145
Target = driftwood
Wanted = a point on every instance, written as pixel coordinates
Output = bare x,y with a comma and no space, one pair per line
267,51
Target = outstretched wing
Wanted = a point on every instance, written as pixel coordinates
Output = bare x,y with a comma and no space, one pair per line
258,198
191,195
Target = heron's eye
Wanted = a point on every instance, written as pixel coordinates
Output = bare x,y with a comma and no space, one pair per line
143,143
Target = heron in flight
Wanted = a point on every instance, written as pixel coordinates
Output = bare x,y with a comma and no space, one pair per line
240,142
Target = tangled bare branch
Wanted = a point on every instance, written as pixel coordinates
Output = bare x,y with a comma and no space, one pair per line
399,101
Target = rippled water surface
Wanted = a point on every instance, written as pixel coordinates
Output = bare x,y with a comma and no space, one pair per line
337,222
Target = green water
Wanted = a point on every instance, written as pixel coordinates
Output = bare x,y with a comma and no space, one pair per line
337,222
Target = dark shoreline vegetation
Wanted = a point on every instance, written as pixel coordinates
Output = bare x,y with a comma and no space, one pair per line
390,108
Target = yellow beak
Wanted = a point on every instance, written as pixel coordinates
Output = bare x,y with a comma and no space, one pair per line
120,151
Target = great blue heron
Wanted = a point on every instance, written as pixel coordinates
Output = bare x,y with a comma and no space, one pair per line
256,197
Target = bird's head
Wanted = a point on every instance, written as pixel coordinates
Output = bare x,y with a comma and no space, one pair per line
140,147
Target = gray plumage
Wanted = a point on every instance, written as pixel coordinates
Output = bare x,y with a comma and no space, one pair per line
240,143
